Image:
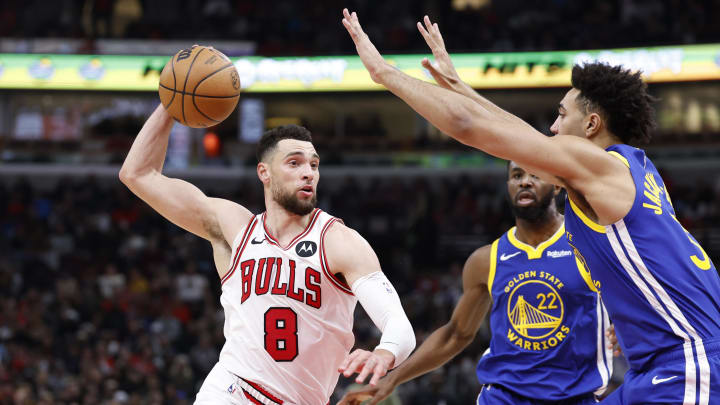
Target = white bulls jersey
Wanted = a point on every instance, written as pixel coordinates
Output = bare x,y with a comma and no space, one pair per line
288,320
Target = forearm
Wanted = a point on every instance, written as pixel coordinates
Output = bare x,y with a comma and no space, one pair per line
470,120
441,346
147,153
380,301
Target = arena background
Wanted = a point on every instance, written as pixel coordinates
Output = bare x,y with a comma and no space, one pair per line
104,302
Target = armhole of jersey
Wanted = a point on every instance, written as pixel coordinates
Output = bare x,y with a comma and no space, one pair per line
493,265
585,274
584,218
323,260
241,234
238,251
636,182
620,157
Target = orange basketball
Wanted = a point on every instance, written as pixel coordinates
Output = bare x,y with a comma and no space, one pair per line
199,87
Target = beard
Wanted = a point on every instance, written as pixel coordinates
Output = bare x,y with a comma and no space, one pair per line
535,212
290,202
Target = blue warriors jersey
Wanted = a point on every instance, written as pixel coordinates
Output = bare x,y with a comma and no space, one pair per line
659,286
548,326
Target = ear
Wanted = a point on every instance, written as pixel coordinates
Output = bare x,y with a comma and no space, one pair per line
263,172
593,125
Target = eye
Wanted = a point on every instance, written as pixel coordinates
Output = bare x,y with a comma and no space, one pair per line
292,162
314,165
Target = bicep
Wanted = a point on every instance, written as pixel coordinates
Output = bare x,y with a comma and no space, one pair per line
349,253
475,300
185,205
556,159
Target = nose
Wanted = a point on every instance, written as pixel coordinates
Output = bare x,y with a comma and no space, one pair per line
526,181
555,128
308,173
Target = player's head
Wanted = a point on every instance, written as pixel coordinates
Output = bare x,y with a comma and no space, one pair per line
288,168
606,99
531,198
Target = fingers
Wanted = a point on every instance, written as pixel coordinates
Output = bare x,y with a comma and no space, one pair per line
423,32
369,367
351,23
357,359
354,398
428,24
349,358
379,371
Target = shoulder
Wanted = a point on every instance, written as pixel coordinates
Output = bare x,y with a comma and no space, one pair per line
231,219
588,155
478,265
347,251
339,233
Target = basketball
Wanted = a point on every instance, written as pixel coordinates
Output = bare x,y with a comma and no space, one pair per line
199,87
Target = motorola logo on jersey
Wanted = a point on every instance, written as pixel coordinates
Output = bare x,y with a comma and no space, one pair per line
306,248
536,311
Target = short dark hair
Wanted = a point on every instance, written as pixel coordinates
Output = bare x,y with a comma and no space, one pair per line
620,96
271,138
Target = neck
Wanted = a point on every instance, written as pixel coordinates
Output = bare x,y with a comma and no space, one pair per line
606,139
282,224
537,232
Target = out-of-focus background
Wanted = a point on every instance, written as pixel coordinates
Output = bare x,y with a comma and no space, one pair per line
102,301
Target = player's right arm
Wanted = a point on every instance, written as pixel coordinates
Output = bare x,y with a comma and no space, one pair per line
183,204
447,341
573,162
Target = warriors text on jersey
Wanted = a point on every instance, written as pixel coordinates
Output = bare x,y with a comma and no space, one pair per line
548,325
288,320
660,287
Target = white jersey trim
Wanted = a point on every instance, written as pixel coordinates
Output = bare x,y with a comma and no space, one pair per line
273,241
239,250
673,318
604,359
323,261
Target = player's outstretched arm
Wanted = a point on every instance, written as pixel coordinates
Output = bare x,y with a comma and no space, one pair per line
569,161
182,203
447,341
443,70
350,255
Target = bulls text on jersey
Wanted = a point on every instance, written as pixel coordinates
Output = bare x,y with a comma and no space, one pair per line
263,276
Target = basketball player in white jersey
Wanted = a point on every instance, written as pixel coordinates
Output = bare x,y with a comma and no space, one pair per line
290,276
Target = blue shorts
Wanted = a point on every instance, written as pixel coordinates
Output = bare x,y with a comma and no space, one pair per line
676,377
499,395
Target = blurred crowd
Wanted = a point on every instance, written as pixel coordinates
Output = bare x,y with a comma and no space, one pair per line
290,27
102,301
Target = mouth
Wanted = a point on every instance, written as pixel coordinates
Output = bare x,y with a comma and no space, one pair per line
525,198
306,191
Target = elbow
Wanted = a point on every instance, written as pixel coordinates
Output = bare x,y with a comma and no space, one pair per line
459,338
126,176
466,127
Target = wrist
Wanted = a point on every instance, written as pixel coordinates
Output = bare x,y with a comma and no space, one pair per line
386,355
383,73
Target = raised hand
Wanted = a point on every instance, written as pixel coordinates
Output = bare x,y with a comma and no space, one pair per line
365,362
371,58
442,70
375,394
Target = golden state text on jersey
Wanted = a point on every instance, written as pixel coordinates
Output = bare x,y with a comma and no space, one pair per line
547,322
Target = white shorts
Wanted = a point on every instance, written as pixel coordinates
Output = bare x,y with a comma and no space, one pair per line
220,387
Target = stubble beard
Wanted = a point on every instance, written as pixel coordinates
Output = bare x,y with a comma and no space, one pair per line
535,212
290,202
